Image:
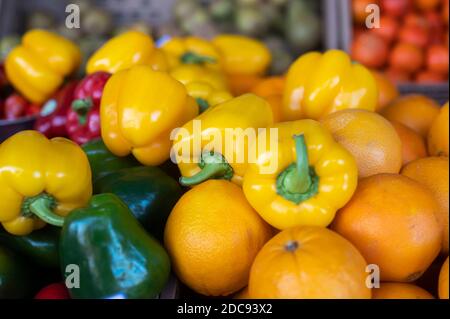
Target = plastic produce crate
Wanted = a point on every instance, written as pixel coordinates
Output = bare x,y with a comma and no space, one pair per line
155,12
438,92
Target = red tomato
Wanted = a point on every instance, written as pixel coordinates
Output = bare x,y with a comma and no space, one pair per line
437,59
406,57
396,8
397,76
415,19
388,28
437,27
426,5
359,10
370,50
414,35
33,109
428,76
445,10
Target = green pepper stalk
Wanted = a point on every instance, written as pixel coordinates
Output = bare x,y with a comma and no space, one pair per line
298,182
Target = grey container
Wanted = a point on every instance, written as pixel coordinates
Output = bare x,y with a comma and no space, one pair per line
438,92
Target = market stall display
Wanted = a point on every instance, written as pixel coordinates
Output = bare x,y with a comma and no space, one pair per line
187,164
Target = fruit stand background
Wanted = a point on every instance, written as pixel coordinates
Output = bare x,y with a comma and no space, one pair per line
288,27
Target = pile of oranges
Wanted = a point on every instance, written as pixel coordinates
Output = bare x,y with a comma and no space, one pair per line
397,220
411,43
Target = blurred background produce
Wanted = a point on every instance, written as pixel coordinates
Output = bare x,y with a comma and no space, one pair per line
411,44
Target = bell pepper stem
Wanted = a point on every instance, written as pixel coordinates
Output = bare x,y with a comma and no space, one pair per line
41,207
202,104
82,108
299,180
213,165
194,58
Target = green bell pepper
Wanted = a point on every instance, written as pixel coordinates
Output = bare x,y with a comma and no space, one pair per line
41,246
102,161
15,276
147,191
115,255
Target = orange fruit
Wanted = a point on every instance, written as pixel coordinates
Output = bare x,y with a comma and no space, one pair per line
413,145
276,103
271,89
406,57
391,220
438,134
415,111
242,83
308,262
443,281
400,291
433,173
243,294
387,91
370,138
269,86
213,236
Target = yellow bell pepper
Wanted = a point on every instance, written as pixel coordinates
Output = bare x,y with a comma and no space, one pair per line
139,109
314,176
158,61
41,181
191,50
242,55
206,148
188,73
124,51
319,84
206,96
37,67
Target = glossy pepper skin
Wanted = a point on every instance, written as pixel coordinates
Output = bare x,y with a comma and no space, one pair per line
15,276
244,61
315,176
103,162
205,95
189,73
319,84
53,116
83,117
242,55
148,192
41,246
190,50
38,66
122,52
245,112
139,109
41,181
129,263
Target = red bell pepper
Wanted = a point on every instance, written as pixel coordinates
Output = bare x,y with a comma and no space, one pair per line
53,116
53,291
32,109
3,78
83,118
15,107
